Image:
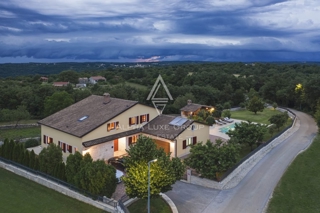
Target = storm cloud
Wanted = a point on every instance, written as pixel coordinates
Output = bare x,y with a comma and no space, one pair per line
138,30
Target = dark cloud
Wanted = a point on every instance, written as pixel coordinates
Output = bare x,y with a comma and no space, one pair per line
187,31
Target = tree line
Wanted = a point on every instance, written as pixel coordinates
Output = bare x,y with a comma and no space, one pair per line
222,85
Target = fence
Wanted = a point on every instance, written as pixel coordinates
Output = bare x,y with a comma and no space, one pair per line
103,199
259,147
121,203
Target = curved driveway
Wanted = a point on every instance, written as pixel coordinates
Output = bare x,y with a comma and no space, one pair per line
253,192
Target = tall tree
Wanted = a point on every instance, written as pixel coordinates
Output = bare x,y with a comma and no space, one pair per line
247,133
279,119
49,158
164,172
209,158
255,105
73,167
56,102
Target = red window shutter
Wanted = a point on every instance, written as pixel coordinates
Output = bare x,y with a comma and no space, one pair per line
117,125
141,118
184,144
44,139
70,149
130,122
137,120
108,127
59,143
64,147
130,141
147,117
194,140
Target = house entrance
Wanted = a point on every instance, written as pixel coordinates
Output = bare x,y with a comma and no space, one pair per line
115,145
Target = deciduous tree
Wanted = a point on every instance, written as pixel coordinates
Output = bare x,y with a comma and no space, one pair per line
247,133
164,172
255,105
279,119
56,102
208,159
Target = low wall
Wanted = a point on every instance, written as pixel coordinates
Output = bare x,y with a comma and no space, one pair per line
19,126
62,189
241,171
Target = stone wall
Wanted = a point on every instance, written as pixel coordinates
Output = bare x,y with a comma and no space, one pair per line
62,189
19,126
241,171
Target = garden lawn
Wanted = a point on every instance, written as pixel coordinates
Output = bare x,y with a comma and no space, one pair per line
137,86
16,134
260,117
18,194
299,188
157,205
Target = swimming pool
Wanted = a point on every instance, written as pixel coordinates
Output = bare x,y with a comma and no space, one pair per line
226,129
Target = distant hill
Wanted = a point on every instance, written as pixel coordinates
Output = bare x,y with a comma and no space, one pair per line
45,69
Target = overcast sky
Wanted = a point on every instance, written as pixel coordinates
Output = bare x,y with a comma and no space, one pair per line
152,30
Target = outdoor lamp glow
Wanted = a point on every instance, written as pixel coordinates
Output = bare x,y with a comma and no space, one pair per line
149,182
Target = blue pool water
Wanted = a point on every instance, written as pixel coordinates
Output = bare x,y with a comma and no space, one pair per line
225,129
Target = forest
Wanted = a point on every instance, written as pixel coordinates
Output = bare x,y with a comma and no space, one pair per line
222,85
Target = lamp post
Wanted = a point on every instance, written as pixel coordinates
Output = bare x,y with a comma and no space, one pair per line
149,182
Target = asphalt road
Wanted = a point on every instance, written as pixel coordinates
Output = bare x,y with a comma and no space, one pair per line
252,194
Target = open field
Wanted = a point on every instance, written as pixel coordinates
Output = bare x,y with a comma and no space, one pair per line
298,189
260,117
20,133
137,86
157,205
19,194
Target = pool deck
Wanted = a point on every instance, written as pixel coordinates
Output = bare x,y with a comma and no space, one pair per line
215,132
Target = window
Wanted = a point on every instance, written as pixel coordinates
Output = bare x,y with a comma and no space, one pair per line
83,118
133,139
112,126
188,142
47,139
133,120
75,149
65,147
144,118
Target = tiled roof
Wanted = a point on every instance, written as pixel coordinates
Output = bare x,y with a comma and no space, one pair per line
97,78
60,83
160,127
193,107
92,110
110,138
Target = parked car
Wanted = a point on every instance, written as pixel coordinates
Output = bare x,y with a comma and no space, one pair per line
119,175
117,162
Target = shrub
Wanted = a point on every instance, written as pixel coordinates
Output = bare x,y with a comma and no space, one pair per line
31,143
226,113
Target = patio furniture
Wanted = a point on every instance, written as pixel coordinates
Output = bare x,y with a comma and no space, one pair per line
226,120
218,122
229,119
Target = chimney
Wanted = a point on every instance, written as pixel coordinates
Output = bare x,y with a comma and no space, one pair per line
189,102
106,98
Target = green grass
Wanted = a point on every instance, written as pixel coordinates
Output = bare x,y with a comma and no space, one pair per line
260,117
157,205
18,194
16,134
137,86
299,188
